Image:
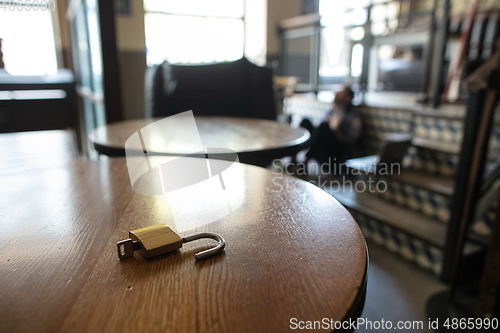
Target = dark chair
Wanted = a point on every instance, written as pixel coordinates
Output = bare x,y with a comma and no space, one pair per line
235,89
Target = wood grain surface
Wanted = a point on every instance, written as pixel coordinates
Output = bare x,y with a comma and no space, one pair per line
256,141
38,149
292,252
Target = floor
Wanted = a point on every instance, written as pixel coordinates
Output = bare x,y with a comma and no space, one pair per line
397,290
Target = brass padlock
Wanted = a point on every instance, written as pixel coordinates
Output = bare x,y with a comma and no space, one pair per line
159,239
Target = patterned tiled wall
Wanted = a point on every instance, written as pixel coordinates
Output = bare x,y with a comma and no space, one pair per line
432,162
379,122
430,204
439,129
410,248
417,199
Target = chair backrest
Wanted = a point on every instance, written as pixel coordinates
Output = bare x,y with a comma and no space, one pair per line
394,148
238,89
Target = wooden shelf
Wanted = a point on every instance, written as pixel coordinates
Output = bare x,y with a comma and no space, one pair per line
433,183
448,148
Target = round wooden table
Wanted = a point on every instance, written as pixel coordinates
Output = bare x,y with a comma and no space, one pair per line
292,252
256,141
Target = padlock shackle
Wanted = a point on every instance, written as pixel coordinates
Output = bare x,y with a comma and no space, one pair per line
210,252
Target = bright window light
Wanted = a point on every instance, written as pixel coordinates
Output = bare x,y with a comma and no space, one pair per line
357,60
217,8
28,42
341,22
333,12
194,31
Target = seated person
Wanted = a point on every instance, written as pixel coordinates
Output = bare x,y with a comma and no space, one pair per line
336,138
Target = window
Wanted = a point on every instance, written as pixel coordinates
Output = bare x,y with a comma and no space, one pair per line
28,41
342,31
342,48
194,31
385,18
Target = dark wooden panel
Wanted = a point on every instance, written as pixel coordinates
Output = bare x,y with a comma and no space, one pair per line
35,115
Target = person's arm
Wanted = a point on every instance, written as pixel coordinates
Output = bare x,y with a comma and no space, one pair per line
334,121
349,129
331,114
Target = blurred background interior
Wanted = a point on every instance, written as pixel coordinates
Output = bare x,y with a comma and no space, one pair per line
427,69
